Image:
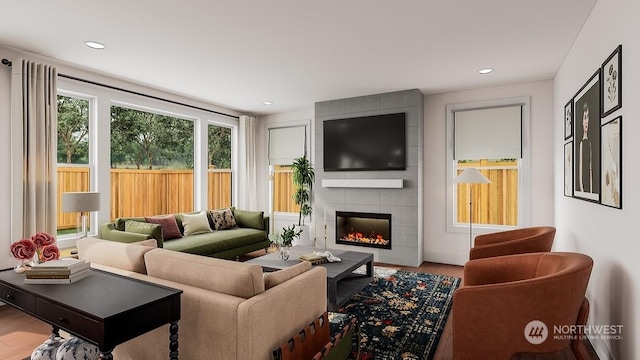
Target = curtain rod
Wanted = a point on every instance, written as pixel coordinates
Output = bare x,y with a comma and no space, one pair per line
8,63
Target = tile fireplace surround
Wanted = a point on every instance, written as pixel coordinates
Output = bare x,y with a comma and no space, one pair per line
397,192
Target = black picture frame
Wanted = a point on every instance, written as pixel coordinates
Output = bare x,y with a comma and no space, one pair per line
568,169
568,120
611,83
586,144
611,155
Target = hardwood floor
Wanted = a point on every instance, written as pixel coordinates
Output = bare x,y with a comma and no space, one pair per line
21,333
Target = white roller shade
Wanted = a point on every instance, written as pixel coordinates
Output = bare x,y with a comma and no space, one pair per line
286,144
492,133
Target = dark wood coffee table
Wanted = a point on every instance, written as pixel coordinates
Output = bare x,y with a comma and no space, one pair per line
342,282
104,308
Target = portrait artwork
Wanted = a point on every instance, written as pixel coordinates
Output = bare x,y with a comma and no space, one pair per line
586,140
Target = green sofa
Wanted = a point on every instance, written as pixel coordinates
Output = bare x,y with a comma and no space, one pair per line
249,235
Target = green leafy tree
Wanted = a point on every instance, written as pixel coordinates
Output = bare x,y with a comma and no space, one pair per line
219,147
73,130
151,140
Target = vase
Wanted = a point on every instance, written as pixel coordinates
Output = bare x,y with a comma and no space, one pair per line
23,265
284,252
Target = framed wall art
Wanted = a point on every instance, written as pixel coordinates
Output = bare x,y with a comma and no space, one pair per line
568,120
611,155
611,93
586,140
568,169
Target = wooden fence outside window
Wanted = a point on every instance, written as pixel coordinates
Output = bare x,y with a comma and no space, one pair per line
145,192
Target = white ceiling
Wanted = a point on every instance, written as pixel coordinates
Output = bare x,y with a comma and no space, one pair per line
239,53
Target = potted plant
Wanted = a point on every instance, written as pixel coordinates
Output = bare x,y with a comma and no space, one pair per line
303,177
285,239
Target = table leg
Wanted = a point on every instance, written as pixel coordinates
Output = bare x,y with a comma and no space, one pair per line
370,269
173,341
106,355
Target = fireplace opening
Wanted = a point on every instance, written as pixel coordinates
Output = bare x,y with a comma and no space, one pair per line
363,229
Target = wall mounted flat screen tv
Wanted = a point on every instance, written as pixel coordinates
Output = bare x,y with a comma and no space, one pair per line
365,143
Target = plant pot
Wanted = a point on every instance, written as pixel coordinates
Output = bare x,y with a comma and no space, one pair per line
305,237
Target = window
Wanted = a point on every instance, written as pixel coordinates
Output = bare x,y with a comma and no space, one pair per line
219,167
151,163
74,168
285,145
492,137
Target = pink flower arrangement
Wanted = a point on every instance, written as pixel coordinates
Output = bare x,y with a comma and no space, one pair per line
41,244
23,249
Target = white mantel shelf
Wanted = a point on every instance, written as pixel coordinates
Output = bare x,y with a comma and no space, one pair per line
363,183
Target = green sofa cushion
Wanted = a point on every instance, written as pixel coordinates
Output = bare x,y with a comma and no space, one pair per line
153,230
217,241
249,219
121,221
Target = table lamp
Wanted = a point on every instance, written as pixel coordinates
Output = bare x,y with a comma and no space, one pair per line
471,176
81,202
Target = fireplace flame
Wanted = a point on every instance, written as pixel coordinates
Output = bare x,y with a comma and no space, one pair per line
359,237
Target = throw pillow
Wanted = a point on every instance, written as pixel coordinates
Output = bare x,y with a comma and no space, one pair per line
153,230
170,228
223,219
278,277
249,219
195,223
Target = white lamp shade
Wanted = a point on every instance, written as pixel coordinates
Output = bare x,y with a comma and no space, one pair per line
471,176
80,201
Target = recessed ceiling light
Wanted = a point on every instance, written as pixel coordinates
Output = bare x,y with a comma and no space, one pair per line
94,45
485,71
268,102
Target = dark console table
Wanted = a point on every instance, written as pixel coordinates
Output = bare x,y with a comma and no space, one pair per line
104,308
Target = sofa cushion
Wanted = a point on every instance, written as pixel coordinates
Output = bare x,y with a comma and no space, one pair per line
153,230
249,219
278,277
170,228
223,219
223,276
129,257
119,222
217,241
195,223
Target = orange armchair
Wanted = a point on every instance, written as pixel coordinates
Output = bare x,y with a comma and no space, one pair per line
518,241
502,295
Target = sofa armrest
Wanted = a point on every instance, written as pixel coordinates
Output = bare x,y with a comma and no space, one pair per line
265,224
272,317
108,231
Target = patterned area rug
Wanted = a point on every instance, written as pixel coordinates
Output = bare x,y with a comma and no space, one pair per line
401,314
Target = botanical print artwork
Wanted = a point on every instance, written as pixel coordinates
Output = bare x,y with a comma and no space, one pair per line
611,79
611,87
611,179
568,169
568,120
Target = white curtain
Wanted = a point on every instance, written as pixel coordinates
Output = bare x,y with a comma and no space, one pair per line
33,148
247,181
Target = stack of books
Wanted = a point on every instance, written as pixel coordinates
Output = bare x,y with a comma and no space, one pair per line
314,258
64,271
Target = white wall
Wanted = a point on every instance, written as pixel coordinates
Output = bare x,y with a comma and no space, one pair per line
453,248
608,235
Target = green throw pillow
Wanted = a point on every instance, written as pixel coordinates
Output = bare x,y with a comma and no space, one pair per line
249,219
153,230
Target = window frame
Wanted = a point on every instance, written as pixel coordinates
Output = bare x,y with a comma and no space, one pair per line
68,240
524,178
307,128
104,97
